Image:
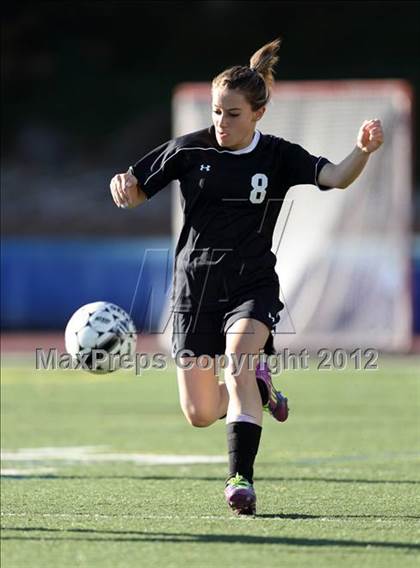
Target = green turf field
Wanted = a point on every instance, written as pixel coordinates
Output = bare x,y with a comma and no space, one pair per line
337,485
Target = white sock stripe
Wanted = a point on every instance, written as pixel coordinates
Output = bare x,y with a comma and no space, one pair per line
241,418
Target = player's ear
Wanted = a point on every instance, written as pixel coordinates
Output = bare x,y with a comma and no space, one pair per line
258,114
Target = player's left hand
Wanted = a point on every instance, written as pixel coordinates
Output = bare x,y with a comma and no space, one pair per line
371,136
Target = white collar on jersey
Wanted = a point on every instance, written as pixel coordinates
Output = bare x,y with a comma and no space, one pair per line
252,146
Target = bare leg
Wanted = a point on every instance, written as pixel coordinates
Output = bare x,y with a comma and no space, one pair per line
203,398
246,336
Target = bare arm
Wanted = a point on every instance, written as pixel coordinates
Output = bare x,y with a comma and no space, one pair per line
126,191
369,139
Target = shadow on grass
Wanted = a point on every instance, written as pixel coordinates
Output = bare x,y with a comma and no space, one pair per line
140,536
208,478
303,516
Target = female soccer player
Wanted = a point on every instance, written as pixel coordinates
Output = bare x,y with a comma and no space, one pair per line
225,296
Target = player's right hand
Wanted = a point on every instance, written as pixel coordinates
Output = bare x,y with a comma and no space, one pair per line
125,190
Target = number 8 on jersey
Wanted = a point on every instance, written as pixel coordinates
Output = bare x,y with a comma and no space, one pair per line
259,184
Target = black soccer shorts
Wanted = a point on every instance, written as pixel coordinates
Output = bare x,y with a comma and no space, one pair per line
204,333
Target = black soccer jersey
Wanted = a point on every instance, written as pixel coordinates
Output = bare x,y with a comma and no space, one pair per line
231,201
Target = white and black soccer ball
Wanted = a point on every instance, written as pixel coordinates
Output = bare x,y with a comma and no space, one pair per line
98,335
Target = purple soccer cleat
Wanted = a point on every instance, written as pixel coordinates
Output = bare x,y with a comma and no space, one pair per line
240,495
277,403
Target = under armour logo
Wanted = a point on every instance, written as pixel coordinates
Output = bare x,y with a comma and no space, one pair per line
205,168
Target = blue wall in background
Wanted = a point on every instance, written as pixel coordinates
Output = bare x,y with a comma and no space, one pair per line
415,283
43,281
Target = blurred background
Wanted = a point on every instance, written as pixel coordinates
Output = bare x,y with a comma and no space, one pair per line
88,88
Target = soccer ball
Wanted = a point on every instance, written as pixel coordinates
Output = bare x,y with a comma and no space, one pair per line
98,335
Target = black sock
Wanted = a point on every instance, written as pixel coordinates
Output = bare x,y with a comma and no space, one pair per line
243,439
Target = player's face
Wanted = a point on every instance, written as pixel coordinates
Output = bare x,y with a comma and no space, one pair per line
233,118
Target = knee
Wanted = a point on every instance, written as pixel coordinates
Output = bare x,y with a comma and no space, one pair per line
197,417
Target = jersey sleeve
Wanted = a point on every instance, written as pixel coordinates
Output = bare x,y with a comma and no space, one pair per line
300,167
159,167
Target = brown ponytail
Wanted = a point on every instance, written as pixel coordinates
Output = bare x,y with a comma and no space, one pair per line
264,60
255,81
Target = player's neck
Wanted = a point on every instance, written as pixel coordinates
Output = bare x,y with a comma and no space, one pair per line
245,143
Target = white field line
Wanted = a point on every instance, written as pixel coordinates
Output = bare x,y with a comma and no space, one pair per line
97,454
90,454
27,471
